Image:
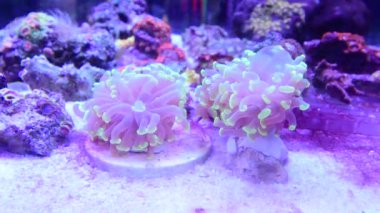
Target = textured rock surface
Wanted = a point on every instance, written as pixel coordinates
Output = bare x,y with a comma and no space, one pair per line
317,17
117,16
338,84
34,122
256,18
348,51
197,39
150,33
74,84
3,81
209,43
55,37
344,66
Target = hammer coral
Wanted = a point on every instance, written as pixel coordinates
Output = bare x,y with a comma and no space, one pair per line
253,95
138,108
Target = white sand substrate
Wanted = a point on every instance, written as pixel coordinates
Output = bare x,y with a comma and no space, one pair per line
66,182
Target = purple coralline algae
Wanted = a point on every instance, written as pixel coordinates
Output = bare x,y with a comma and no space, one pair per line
28,36
344,66
208,43
3,81
150,33
150,43
117,16
32,122
74,84
348,51
256,18
343,86
299,19
95,47
198,38
56,37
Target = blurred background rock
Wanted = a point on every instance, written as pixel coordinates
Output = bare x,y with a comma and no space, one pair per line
179,13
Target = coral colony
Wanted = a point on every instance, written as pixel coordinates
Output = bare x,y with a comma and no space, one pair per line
254,95
136,109
137,86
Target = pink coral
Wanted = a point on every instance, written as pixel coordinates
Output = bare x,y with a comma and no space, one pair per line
255,93
138,108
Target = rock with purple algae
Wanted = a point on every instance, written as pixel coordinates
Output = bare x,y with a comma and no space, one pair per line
117,16
93,46
299,19
197,39
56,37
207,44
343,86
32,122
3,81
74,84
36,33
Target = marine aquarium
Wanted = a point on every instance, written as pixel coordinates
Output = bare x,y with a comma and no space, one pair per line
193,106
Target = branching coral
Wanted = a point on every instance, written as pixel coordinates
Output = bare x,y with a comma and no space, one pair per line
255,93
138,108
275,16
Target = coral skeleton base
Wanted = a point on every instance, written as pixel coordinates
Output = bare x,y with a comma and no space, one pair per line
188,150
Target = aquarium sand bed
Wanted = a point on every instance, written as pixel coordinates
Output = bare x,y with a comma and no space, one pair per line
65,182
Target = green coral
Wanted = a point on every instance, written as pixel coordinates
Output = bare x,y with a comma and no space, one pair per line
36,26
274,16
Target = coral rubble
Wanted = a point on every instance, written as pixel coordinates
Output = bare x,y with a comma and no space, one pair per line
32,122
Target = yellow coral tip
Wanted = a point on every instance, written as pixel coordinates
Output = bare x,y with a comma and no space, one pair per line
287,89
264,113
292,127
115,141
304,106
